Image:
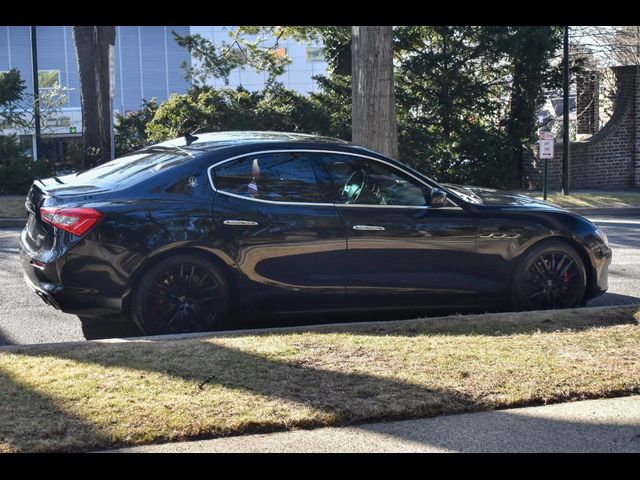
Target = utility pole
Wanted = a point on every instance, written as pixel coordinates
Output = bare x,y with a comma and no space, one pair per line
565,114
36,91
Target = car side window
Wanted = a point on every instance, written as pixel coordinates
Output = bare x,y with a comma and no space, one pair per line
360,181
283,177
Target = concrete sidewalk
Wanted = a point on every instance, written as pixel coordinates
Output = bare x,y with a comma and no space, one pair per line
609,425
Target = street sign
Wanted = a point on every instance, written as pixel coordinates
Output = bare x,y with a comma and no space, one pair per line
546,135
546,149
112,71
546,145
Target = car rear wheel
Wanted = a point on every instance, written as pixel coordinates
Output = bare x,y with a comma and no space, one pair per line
182,293
551,275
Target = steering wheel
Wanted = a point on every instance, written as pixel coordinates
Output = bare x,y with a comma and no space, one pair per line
351,192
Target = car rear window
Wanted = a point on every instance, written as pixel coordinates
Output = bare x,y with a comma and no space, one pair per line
132,168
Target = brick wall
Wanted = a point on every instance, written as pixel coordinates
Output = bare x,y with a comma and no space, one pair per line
610,159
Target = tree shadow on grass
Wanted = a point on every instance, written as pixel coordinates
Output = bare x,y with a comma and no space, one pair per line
338,398
341,398
32,422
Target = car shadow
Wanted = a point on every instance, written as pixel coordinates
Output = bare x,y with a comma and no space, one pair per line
454,323
613,299
441,322
100,329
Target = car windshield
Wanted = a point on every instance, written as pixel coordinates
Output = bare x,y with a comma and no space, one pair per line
137,166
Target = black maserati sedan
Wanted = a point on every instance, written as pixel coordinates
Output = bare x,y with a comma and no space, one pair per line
187,234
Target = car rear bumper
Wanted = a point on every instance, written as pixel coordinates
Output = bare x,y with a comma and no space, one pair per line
41,278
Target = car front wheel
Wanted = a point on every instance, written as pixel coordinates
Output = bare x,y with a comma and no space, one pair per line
551,275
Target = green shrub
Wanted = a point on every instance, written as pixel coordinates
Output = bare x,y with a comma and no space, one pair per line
18,171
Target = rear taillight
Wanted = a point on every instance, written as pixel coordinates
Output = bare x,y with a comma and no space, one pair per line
74,220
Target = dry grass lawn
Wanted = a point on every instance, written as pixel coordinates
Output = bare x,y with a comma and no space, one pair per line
98,395
592,199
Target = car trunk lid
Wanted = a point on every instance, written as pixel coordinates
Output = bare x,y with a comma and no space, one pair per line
51,192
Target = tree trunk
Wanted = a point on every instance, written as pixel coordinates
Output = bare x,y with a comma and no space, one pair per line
92,49
374,102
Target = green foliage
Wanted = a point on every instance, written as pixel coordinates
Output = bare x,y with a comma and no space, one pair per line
466,95
208,109
530,51
130,129
466,104
11,92
284,110
203,109
334,98
17,170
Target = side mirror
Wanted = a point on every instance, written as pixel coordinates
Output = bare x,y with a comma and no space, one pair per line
438,198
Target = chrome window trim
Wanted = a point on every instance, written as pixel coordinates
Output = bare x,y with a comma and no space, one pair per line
321,204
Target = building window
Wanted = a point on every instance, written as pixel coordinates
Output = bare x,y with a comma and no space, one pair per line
48,78
315,54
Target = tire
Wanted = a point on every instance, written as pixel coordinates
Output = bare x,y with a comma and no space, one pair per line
550,275
182,293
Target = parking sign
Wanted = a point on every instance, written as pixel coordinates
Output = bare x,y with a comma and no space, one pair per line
546,144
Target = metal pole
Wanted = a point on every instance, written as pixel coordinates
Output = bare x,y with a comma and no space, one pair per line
565,114
36,90
544,180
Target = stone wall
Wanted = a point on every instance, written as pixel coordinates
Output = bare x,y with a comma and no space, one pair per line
610,159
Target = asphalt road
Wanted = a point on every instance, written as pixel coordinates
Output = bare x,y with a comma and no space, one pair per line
25,319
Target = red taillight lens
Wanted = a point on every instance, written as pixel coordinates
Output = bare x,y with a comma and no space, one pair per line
74,220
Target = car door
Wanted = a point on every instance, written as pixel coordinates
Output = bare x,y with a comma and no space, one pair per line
400,251
288,243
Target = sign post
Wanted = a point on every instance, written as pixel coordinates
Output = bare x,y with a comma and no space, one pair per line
546,144
112,94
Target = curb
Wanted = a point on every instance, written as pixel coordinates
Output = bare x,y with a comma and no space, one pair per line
304,328
622,211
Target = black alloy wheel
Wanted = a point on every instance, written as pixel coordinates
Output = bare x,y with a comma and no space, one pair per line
183,293
552,275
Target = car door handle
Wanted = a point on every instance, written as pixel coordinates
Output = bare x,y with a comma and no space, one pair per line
371,228
240,223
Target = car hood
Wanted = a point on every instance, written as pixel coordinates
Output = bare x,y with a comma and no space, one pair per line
491,197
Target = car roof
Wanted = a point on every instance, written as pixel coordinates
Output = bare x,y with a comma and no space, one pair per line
216,140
